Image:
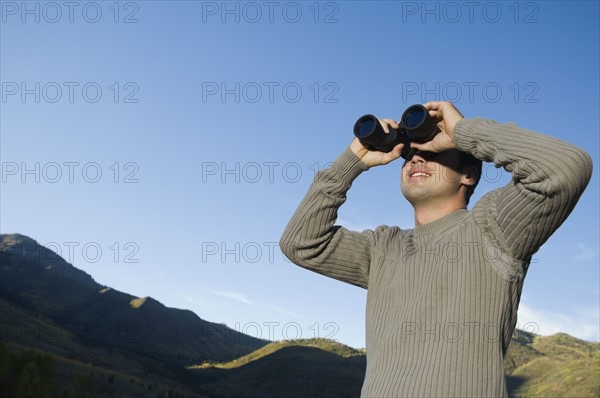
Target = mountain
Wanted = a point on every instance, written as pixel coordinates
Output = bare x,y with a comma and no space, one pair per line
47,304
39,280
552,366
294,368
94,341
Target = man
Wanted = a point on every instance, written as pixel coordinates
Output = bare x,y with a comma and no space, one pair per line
442,297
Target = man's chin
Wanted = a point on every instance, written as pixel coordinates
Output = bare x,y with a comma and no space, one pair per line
414,195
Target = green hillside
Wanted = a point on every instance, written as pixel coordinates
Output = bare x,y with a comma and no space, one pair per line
322,344
296,368
554,366
39,281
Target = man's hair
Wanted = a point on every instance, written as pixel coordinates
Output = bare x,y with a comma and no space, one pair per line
468,160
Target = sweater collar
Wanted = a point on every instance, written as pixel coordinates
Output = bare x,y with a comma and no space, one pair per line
441,224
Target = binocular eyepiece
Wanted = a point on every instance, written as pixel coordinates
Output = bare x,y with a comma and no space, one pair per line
415,125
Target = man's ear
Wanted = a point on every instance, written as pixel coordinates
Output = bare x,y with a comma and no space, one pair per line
469,175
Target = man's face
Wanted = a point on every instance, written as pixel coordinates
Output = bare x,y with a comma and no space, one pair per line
431,177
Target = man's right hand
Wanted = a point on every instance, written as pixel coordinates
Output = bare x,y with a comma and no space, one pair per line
377,158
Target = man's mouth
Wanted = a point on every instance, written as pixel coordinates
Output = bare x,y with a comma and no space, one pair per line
419,174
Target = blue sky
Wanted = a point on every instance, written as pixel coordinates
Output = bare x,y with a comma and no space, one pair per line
163,146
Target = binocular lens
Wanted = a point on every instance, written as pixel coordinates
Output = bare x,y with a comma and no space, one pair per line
415,125
415,117
366,127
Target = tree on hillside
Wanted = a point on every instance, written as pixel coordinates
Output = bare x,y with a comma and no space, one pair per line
29,375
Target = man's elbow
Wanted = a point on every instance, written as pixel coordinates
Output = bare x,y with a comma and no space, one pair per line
287,247
581,166
299,251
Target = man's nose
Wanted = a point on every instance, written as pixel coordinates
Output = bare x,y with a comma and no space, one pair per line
419,156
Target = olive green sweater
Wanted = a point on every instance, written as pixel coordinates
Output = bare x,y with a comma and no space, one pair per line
443,297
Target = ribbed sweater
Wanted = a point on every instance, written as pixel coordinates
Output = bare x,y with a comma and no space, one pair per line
442,297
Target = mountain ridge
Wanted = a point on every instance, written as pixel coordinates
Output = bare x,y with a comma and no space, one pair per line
67,295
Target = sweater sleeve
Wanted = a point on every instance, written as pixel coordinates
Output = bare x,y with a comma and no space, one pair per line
311,240
548,177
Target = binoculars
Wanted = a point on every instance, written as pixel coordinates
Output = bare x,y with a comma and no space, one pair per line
415,125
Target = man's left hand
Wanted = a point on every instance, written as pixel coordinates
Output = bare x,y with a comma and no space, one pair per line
447,116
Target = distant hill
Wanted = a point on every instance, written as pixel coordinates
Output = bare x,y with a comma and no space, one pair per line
322,344
47,304
552,366
40,281
99,342
295,368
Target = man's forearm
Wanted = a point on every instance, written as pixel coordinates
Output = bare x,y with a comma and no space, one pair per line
549,176
312,241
